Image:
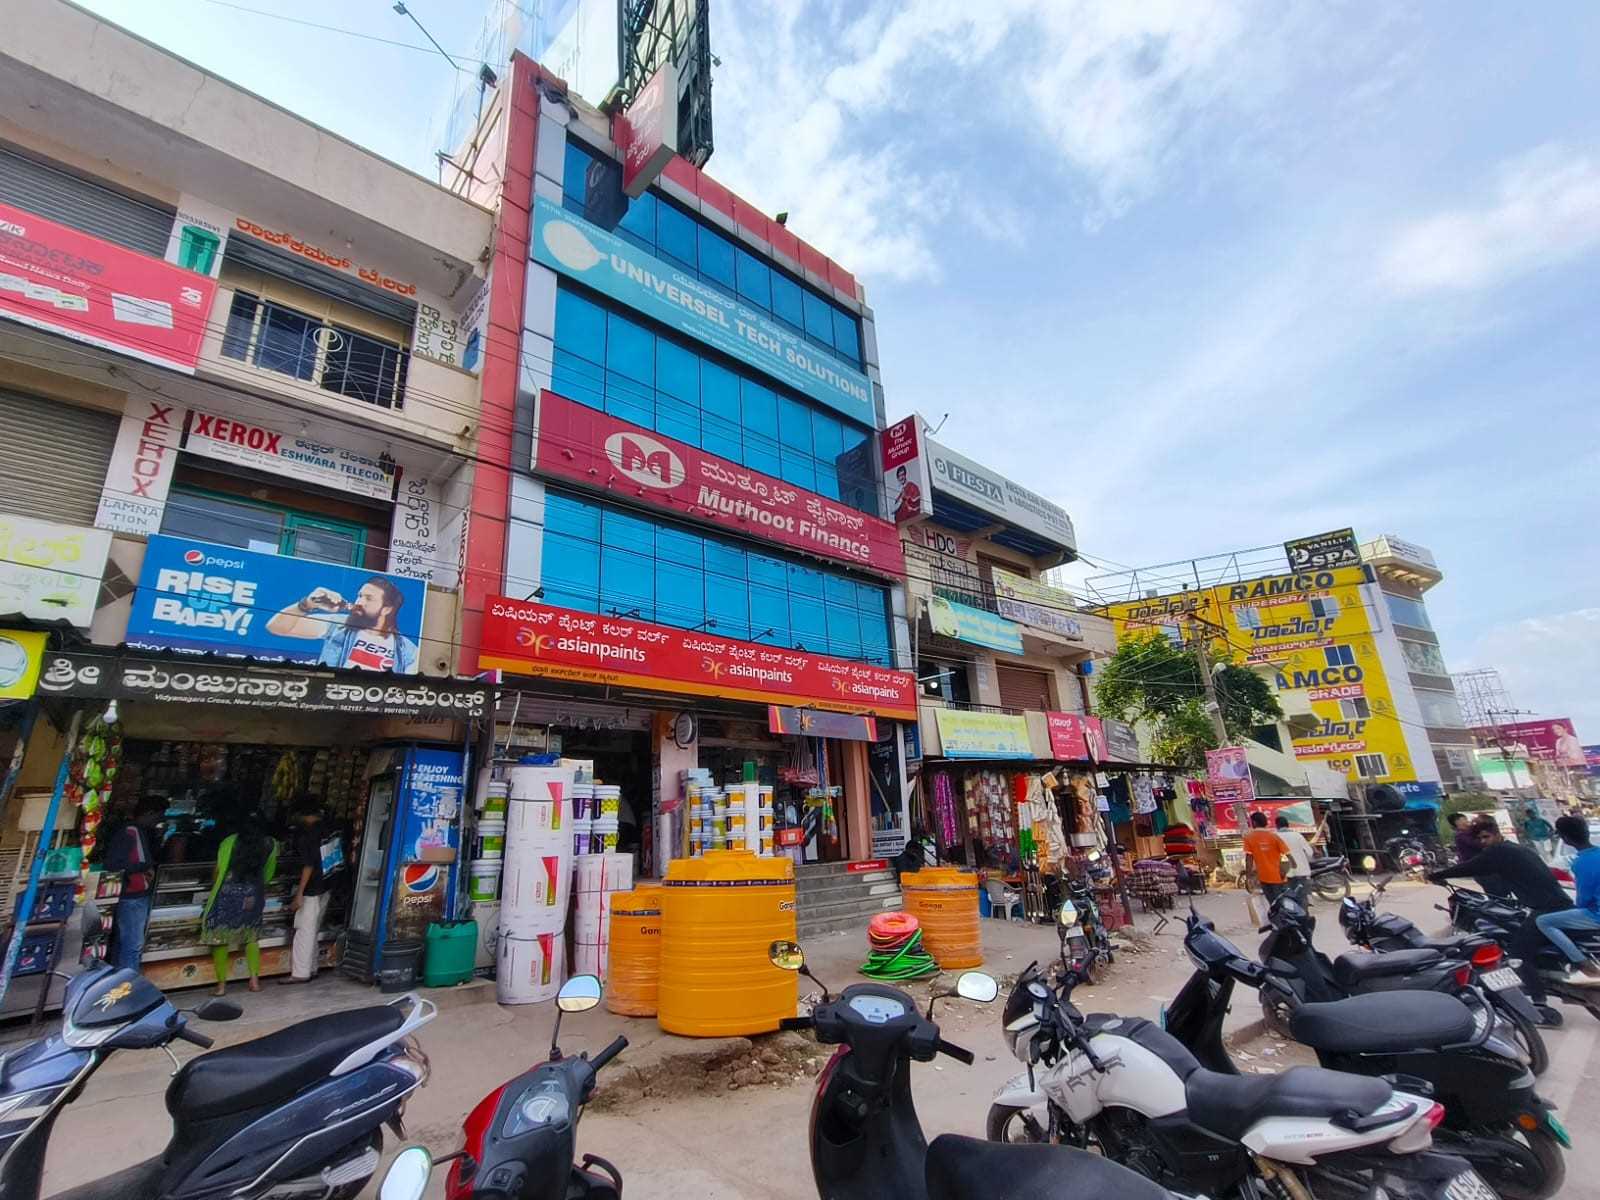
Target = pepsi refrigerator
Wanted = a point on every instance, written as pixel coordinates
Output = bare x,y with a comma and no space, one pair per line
405,869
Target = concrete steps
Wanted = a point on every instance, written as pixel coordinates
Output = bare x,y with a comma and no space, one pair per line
833,897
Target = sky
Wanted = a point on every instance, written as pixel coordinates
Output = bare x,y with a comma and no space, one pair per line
1211,275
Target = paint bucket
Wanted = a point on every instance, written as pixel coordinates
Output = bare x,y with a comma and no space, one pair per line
483,880
491,839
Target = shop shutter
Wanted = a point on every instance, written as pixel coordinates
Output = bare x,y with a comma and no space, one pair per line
254,255
53,458
68,199
1023,689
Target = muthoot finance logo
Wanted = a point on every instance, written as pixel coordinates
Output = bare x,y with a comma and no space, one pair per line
644,460
569,246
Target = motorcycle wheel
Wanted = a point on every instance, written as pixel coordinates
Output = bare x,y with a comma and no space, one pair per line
1331,885
1528,1034
1014,1125
1545,1181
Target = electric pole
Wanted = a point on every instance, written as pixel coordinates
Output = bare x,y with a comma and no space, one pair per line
1213,708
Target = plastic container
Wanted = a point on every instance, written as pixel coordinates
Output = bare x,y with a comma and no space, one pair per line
531,969
487,916
483,880
451,948
398,967
719,915
633,979
945,901
491,839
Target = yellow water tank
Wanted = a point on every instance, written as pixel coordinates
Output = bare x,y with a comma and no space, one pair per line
945,901
634,972
720,913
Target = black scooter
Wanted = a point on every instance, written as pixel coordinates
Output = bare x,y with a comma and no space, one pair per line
866,1140
1477,912
1479,961
1424,1042
519,1142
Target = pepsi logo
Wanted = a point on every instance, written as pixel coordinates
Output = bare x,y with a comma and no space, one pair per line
420,877
194,557
644,460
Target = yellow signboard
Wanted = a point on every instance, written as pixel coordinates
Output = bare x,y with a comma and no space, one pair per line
964,734
21,651
1309,632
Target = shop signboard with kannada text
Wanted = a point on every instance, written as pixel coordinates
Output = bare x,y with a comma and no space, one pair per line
527,638
229,439
1323,551
1122,743
1228,776
647,130
55,278
907,471
134,495
1075,737
964,734
110,677
958,476
615,267
20,653
199,596
976,626
810,722
51,572
597,451
1035,604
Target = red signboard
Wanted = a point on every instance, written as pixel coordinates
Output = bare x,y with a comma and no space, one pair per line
1075,738
647,131
869,864
55,278
805,722
561,643
596,450
1550,740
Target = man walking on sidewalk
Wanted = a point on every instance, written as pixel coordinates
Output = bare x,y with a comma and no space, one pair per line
1299,860
310,900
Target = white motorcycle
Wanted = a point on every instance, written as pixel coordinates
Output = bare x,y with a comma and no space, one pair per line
1124,1086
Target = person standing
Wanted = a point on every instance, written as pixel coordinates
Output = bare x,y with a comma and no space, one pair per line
134,851
1583,916
310,900
1538,833
1267,852
1466,844
246,862
1299,859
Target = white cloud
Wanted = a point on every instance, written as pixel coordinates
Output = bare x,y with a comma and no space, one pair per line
1545,210
1548,664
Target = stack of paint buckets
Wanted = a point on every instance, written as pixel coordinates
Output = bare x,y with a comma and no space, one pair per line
582,816
535,885
736,817
607,816
596,878
483,872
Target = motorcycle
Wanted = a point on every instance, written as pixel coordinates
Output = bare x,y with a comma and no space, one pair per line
1476,912
1480,961
1446,1047
1411,855
1082,932
866,1140
298,1113
520,1140
1129,1089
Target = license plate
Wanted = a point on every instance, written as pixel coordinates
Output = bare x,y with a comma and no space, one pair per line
1557,1128
1469,1185
1501,978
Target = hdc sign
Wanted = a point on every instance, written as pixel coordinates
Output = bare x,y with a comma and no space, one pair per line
140,474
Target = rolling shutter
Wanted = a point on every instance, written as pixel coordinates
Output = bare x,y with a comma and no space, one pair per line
67,199
1023,689
53,458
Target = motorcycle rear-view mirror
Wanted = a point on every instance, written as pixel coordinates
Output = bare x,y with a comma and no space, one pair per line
975,985
219,1009
579,994
407,1176
786,956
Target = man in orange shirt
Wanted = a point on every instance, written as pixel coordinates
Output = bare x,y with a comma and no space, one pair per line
1267,851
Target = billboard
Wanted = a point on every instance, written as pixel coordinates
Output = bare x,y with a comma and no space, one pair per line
229,439
52,277
1075,737
973,625
51,572
134,495
1323,550
1551,740
647,131
958,476
907,477
601,452
1228,776
1035,604
198,596
526,638
964,734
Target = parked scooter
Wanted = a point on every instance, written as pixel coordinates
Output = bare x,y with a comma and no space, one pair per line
1476,912
519,1142
1431,1044
1480,961
298,1113
1129,1089
1084,940
866,1140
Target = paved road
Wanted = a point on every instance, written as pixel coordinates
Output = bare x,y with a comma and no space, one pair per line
751,1142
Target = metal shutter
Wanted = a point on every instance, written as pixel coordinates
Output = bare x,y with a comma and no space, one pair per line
68,199
253,255
53,458
1022,688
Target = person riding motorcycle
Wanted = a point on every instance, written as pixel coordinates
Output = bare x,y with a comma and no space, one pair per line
1585,914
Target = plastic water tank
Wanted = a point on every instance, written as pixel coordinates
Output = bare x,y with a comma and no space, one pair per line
633,977
945,901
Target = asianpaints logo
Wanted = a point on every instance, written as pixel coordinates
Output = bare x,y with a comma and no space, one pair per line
644,460
537,642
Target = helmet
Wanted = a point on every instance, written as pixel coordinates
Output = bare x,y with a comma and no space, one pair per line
1020,1020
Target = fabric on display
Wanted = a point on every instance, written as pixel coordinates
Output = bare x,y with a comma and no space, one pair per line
946,820
1121,799
1144,796
1049,838
989,807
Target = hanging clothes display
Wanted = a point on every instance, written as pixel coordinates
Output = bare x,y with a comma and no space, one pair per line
1049,838
946,820
1144,797
990,816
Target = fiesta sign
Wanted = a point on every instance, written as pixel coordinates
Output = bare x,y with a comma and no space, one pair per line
596,450
561,643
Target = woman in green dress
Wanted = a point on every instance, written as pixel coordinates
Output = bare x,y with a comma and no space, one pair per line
246,863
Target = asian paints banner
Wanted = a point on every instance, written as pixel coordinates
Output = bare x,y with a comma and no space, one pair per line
561,643
567,243
203,597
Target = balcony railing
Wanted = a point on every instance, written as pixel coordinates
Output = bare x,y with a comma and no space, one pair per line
274,337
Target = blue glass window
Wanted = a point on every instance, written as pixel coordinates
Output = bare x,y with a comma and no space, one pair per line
638,224
846,338
760,408
627,583
787,305
819,319
755,280
680,594
676,235
716,258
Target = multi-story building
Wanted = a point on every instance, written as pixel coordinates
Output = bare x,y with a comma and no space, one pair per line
238,419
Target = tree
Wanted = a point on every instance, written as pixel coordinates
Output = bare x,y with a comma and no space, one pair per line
1154,681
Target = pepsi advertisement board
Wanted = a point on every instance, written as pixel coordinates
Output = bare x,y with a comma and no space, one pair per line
202,597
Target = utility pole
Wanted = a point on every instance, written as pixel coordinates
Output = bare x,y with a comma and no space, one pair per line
1213,708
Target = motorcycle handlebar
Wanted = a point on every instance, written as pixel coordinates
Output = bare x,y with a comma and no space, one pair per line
185,1034
956,1052
606,1055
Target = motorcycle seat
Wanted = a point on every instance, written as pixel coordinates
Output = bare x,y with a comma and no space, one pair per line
1351,971
275,1067
1231,1104
964,1168
1383,1023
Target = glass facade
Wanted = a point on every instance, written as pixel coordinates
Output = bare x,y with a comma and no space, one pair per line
614,362
600,558
592,187
1403,610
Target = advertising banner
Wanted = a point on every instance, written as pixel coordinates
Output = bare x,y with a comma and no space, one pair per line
977,626
278,453
51,572
806,722
600,452
1323,551
958,476
20,654
965,734
1552,740
134,496
526,638
647,130
1036,604
1075,737
1234,818
907,470
1228,776
1122,743
203,597
55,278
1591,758
615,267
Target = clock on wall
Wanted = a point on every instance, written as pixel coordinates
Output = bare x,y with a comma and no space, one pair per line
684,729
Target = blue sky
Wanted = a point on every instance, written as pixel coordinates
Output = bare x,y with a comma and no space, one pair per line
1209,275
